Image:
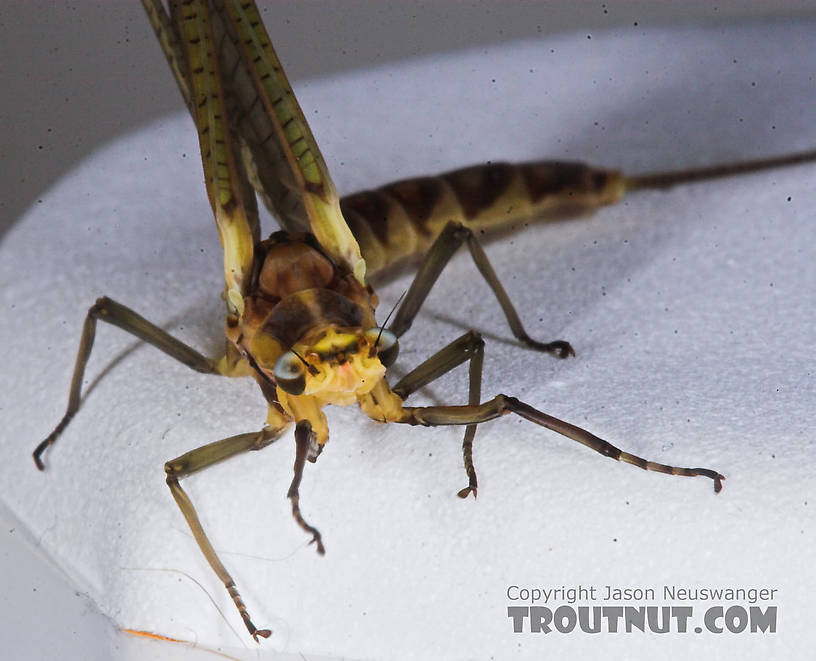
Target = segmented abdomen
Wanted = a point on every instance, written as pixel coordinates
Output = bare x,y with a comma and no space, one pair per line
398,222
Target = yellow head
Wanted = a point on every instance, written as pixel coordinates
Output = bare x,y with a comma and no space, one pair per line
335,365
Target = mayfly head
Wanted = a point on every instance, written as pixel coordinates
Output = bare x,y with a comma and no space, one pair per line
336,365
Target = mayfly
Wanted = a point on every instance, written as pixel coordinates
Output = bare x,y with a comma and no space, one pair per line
299,310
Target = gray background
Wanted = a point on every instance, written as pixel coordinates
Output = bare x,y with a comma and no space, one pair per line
76,75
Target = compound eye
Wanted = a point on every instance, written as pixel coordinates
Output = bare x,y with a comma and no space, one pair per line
387,346
290,373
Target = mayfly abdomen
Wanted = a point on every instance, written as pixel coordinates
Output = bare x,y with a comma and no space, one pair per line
398,222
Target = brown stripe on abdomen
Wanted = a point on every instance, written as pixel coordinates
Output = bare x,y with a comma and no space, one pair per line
562,179
478,187
418,197
398,222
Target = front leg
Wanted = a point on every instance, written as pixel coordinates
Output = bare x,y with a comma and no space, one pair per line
386,405
197,460
433,416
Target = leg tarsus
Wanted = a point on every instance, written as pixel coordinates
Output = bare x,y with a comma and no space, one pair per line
303,443
50,439
557,348
604,447
714,475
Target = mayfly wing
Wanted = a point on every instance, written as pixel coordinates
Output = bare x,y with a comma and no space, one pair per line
281,157
196,68
170,42
293,135
264,161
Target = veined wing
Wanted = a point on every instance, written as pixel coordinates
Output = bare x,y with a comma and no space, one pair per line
264,161
293,135
277,149
187,39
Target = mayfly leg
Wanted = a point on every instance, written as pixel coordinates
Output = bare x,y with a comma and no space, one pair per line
446,244
199,459
303,445
470,347
500,405
108,310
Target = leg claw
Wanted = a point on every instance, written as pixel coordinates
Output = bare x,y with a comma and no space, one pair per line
317,540
464,493
561,349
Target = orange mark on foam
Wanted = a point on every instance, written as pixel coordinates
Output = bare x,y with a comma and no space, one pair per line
155,636
167,639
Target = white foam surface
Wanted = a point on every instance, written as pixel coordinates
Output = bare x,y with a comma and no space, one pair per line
691,311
